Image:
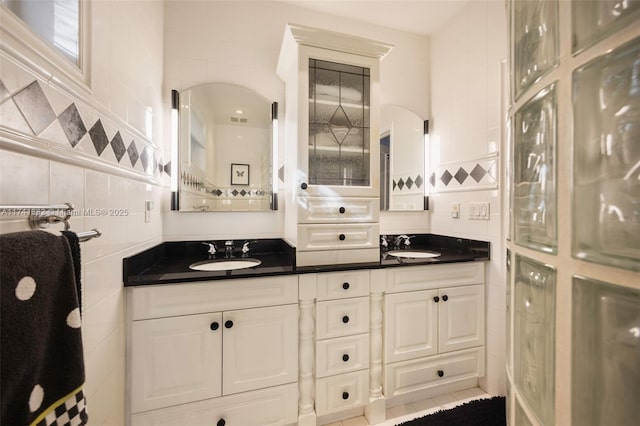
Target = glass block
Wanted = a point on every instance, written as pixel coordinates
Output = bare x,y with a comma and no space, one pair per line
606,353
594,20
534,336
508,321
521,417
534,29
534,189
606,181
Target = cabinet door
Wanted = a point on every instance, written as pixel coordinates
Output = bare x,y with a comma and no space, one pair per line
411,325
260,348
339,146
461,318
175,360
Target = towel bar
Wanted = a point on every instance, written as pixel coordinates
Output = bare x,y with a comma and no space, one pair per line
44,220
87,235
41,220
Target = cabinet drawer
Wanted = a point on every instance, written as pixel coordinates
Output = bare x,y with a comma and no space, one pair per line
430,277
338,318
338,210
341,355
420,374
210,296
338,285
266,407
338,236
338,393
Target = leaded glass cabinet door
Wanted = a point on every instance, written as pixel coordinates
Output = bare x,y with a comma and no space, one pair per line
340,156
339,119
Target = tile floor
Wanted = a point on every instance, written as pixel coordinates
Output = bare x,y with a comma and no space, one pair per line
406,412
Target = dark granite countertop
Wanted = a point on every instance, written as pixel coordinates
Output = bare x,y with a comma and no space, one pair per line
169,262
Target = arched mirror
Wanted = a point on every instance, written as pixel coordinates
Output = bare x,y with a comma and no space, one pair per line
403,179
224,149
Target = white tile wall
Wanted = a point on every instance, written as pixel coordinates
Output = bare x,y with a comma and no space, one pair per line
126,85
465,68
103,294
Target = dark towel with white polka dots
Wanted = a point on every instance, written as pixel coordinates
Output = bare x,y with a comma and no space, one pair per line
41,364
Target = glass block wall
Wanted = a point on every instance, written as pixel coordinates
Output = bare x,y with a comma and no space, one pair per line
573,237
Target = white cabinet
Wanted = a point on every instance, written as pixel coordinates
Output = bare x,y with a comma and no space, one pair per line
175,360
213,356
433,337
460,318
260,348
341,341
331,144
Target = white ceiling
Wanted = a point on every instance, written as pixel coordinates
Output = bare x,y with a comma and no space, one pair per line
416,16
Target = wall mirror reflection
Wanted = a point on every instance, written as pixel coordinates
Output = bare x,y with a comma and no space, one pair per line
225,149
402,160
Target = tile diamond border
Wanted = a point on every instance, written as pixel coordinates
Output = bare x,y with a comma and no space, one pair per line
466,175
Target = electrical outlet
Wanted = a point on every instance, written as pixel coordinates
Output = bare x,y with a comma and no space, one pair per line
455,210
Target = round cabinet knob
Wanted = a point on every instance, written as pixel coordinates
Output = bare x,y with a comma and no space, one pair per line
221,422
345,395
440,373
445,297
345,357
436,299
342,237
345,319
304,185
228,324
342,210
214,325
345,286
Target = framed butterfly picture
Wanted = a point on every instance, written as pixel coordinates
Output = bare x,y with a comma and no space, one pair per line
239,174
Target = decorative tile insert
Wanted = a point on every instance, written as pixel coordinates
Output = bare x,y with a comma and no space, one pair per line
35,109
98,137
72,124
132,151
118,146
407,184
467,175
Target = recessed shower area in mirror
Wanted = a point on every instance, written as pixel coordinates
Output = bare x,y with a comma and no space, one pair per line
403,150
225,148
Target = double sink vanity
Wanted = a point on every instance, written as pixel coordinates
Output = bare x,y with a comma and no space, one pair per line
280,344
333,320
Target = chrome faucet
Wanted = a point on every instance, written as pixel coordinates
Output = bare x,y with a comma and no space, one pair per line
384,243
212,249
228,248
403,241
245,247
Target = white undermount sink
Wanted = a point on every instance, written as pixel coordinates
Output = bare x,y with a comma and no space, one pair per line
224,265
413,254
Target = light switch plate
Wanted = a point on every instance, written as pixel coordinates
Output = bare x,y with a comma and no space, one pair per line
455,210
479,211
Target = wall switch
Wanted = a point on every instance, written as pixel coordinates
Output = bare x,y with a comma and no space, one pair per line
455,210
479,211
148,206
